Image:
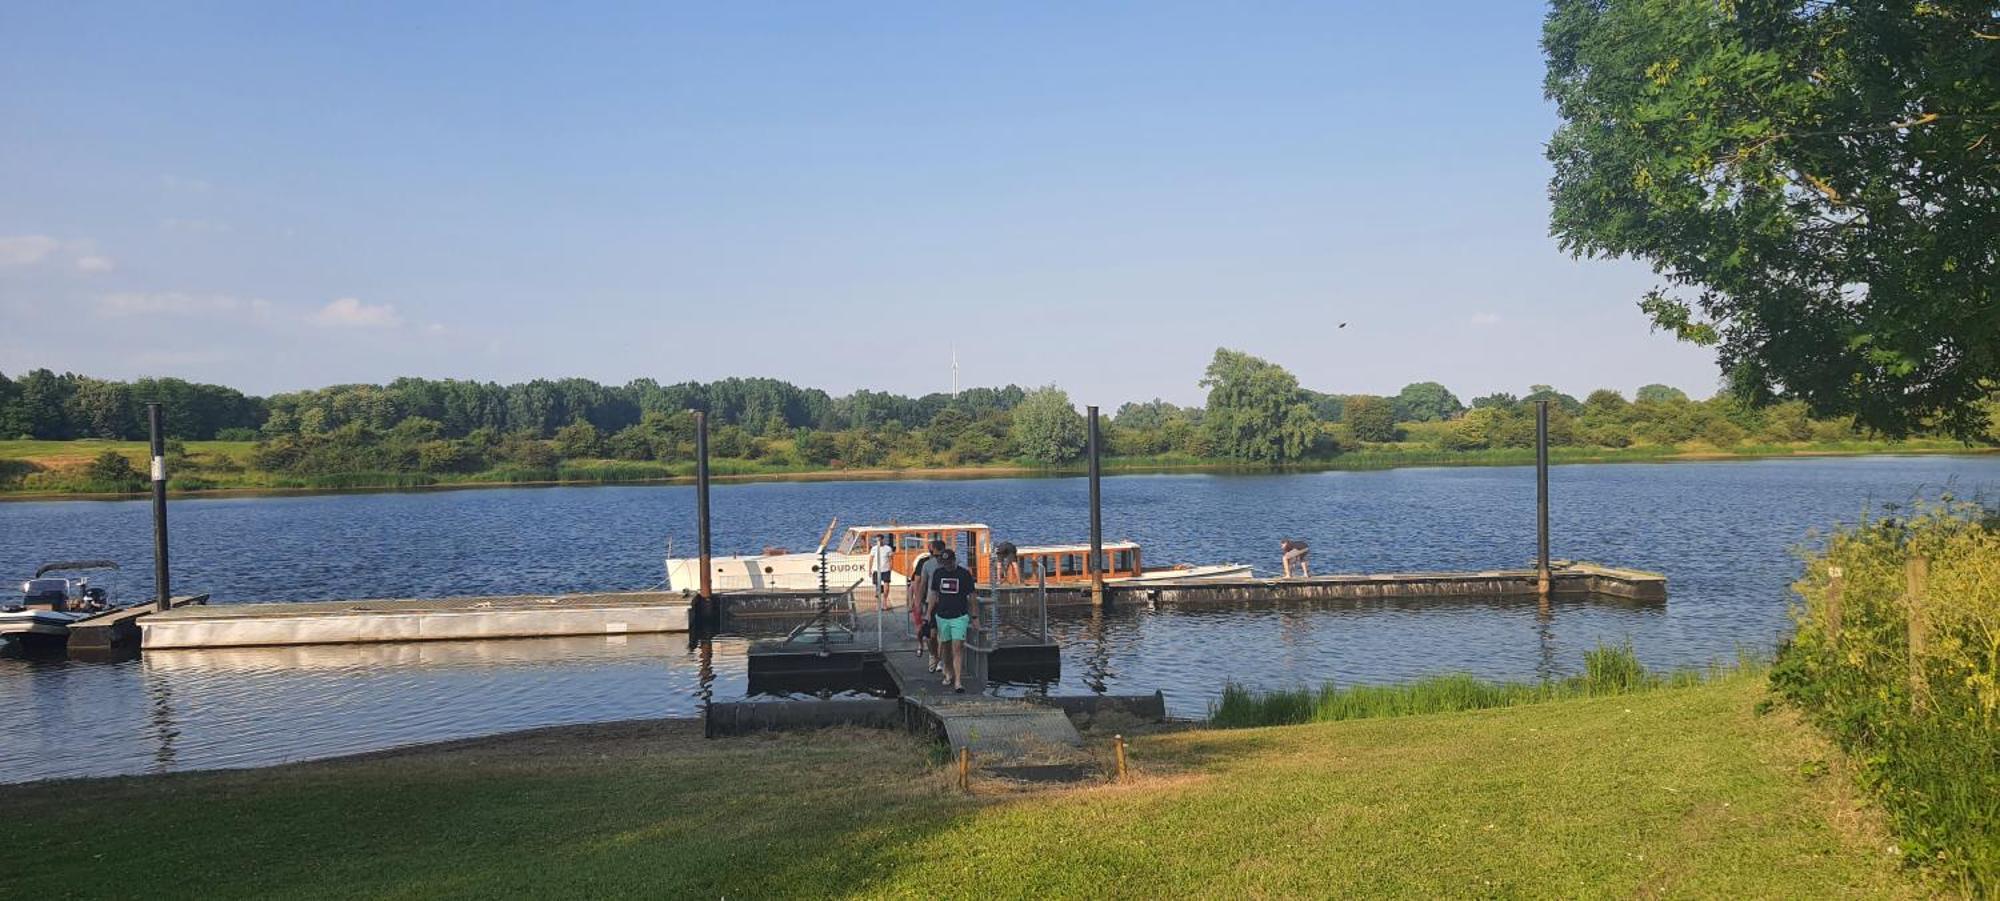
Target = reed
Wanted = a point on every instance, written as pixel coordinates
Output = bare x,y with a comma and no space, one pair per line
1607,670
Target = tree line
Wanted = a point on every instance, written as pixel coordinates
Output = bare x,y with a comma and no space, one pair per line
1255,412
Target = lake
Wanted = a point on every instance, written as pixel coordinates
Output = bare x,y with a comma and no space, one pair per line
1724,534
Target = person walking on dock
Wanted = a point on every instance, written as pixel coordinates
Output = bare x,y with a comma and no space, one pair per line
921,618
951,604
1294,551
878,570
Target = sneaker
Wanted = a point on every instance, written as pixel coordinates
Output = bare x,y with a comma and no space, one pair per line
958,689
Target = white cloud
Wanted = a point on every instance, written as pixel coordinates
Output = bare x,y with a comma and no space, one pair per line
1485,319
94,263
175,303
26,250
350,312
185,185
435,328
194,226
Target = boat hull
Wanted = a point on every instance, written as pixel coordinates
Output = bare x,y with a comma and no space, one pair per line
774,572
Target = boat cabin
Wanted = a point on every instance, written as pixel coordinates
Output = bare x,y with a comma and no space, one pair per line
973,543
1065,563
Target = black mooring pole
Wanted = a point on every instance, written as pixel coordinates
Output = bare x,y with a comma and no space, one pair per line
1096,515
705,602
1542,498
162,588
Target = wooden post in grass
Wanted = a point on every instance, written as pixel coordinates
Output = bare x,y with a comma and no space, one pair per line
1916,577
1118,748
965,769
1833,586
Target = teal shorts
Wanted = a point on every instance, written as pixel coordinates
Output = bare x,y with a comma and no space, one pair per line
952,628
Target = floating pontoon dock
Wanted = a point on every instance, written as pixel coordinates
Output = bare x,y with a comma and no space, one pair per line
346,622
613,613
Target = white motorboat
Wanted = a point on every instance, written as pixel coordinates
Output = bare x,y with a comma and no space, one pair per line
49,605
846,563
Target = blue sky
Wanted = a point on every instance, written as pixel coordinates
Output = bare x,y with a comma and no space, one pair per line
1095,195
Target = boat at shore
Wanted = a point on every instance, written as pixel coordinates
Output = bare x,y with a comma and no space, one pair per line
844,566
49,605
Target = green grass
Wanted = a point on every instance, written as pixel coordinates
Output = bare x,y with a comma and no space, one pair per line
1606,671
1682,791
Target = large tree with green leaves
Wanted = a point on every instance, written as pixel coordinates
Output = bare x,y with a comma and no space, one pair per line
1256,410
1816,181
1047,428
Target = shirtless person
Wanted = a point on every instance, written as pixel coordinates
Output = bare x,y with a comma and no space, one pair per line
1294,551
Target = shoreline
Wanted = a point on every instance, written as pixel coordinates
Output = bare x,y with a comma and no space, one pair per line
1006,471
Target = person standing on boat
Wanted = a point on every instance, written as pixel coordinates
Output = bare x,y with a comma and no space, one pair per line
951,605
1294,551
879,570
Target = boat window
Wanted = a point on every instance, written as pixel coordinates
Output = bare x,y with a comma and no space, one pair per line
913,541
1072,564
1122,561
851,543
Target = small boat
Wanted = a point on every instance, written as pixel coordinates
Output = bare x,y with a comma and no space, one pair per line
49,605
846,563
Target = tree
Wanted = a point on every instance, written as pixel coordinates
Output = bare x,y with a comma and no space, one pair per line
1250,408
1557,400
1047,428
1371,418
1498,399
1426,402
1660,394
1814,182
1605,402
581,441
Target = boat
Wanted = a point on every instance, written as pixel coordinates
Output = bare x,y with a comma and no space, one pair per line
49,605
846,563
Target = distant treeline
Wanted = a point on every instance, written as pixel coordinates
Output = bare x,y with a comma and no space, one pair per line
1255,412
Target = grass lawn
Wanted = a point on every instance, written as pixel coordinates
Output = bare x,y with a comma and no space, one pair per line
57,454
1683,791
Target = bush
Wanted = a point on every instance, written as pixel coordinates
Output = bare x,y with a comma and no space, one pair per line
1924,726
111,471
237,433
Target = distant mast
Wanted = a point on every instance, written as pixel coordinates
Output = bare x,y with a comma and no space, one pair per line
954,372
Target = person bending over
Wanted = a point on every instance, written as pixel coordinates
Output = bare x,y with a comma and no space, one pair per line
1294,551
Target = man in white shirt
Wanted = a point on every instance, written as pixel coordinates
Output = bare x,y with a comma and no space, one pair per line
879,570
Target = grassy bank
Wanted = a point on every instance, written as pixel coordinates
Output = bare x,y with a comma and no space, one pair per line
1671,792
1614,670
31,468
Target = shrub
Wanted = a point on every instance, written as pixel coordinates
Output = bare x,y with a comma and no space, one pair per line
237,433
111,471
1924,726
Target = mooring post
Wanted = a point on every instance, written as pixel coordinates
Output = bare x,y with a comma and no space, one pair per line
1096,515
1833,613
1542,498
705,601
1118,745
161,585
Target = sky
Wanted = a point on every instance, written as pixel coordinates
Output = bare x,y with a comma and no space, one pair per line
1094,195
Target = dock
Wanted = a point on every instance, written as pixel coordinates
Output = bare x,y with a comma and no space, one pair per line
1010,736
120,629
429,619
615,613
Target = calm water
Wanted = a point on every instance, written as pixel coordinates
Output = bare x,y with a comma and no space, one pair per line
1722,532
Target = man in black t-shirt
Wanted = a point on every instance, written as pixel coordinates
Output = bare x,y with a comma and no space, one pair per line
951,604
